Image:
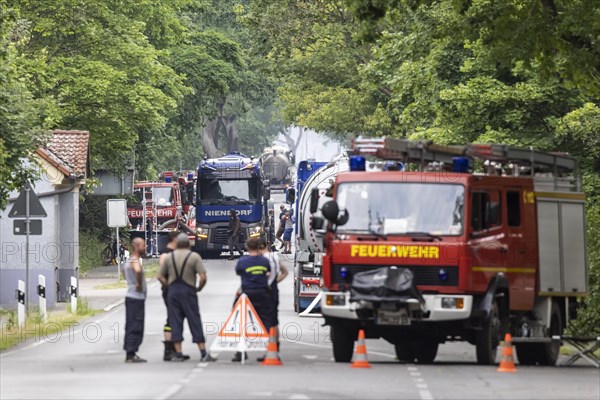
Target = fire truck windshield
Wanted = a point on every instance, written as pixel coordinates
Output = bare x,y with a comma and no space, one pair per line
225,191
402,208
163,196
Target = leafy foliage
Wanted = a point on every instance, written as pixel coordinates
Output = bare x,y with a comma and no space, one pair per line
21,115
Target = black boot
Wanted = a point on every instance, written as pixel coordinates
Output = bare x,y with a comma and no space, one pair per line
169,350
171,354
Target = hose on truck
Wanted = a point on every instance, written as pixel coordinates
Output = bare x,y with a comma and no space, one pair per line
180,225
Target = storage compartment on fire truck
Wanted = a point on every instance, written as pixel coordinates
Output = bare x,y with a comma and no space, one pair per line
562,243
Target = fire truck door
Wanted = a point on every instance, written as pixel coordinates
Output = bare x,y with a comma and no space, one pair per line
488,238
522,246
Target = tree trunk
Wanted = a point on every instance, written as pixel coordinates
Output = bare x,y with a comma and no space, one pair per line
233,140
291,142
210,137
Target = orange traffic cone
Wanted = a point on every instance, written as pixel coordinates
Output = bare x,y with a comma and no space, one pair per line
272,357
507,362
360,354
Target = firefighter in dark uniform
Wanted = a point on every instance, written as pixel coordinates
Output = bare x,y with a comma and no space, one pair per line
254,270
179,273
169,349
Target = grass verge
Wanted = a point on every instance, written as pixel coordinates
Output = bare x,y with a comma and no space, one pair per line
11,333
150,270
90,250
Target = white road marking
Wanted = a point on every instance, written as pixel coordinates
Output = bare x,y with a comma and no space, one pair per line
170,392
310,356
297,396
422,388
115,304
425,395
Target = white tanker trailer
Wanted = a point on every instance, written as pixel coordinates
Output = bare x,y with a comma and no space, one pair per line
277,164
313,180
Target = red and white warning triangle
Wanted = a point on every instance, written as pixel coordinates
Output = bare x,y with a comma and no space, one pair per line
243,330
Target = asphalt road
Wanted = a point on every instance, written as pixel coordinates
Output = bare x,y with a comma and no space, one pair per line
87,362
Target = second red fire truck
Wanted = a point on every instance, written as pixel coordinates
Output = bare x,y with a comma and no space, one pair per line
453,243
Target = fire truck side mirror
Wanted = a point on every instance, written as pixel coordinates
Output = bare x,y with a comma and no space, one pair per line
290,195
331,211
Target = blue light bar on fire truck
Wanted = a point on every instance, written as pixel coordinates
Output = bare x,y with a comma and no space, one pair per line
168,176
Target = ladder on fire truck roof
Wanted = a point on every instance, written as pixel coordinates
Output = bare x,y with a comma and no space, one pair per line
551,171
150,224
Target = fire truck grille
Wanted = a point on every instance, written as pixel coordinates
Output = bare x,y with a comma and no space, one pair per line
219,235
424,275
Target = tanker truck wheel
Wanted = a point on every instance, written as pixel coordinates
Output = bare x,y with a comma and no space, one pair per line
343,338
487,338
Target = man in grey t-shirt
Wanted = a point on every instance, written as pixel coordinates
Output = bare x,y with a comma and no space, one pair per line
182,266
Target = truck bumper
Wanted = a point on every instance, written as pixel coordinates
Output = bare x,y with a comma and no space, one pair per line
437,307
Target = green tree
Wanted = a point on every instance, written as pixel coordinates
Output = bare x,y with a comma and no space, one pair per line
22,117
98,66
308,47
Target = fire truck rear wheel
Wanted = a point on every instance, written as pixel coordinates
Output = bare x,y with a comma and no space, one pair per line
343,342
487,338
543,353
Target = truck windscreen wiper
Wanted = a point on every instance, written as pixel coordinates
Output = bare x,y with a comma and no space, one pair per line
415,235
379,235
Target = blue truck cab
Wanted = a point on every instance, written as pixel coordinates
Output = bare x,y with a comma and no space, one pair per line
232,182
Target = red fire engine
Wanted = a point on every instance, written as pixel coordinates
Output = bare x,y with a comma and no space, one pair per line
493,238
160,207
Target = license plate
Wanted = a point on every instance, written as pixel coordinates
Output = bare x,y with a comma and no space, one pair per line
392,318
310,288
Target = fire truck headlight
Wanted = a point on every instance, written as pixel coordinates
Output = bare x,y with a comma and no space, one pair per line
202,233
255,231
453,302
333,300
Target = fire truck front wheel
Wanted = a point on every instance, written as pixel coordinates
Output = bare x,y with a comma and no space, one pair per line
343,339
487,338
